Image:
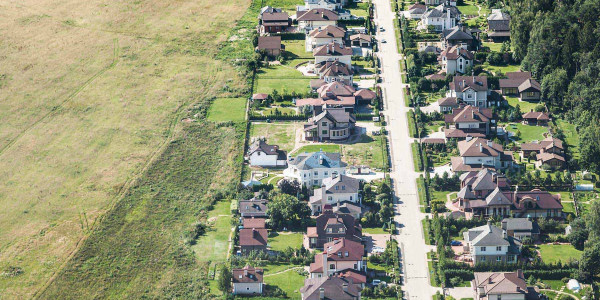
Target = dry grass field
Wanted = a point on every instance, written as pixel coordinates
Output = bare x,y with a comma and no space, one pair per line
90,93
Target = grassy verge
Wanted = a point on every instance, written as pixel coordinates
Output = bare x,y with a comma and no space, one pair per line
416,155
422,191
425,223
412,126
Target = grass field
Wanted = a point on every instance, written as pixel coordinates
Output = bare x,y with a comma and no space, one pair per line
281,134
279,241
93,96
290,281
524,106
555,253
495,47
571,136
501,69
528,133
316,148
285,78
367,151
227,109
214,244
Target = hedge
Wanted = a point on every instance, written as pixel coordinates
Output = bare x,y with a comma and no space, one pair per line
353,22
364,117
416,154
257,117
291,36
412,126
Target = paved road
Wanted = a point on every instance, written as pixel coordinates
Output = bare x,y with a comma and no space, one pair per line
408,216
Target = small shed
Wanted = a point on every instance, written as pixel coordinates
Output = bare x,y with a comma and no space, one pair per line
574,285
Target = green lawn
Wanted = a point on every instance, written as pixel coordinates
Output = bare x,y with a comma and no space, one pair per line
501,69
571,136
315,148
495,47
525,106
279,241
468,9
281,134
281,110
213,245
528,133
283,86
359,9
367,151
227,109
555,253
375,230
295,49
290,281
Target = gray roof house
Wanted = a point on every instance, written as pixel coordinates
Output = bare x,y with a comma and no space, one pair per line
334,191
311,168
489,243
503,285
520,228
329,288
498,25
253,208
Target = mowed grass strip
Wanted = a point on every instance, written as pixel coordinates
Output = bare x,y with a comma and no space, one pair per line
227,109
333,148
555,253
138,250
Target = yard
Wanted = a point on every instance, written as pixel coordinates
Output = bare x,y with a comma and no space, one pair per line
367,151
212,245
555,253
284,77
227,109
281,133
501,68
571,136
528,133
524,106
296,51
359,9
494,47
285,277
334,148
279,241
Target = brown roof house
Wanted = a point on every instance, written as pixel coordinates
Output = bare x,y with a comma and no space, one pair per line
472,90
480,193
334,124
536,118
335,191
253,208
535,204
331,226
498,26
467,121
338,255
479,153
503,285
270,45
315,18
447,104
333,94
273,20
365,96
361,40
521,84
549,151
332,71
262,154
333,52
325,35
247,281
456,59
330,288
253,239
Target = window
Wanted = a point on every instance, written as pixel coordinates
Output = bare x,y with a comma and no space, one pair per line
315,182
350,198
469,96
328,230
499,297
325,173
316,173
530,94
499,248
510,258
482,249
355,266
340,254
343,187
324,131
332,267
337,187
324,123
499,258
329,198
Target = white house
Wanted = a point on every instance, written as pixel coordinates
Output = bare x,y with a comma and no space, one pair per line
263,155
324,35
333,52
472,90
334,191
315,18
415,11
247,281
311,168
441,17
489,243
456,59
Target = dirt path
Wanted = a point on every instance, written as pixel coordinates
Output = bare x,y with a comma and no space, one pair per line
276,273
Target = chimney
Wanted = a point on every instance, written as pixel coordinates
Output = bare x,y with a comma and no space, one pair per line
468,138
321,293
324,254
480,147
345,287
489,143
503,233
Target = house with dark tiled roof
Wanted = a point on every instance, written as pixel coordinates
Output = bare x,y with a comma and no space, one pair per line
447,104
247,281
334,71
311,168
549,151
489,243
331,226
333,52
475,191
335,124
472,90
535,204
273,20
325,35
270,45
456,59
459,36
333,94
539,118
361,40
503,285
467,121
365,96
521,84
480,153
521,228
334,191
253,208
338,255
253,223
498,26
330,288
262,154
253,239
315,18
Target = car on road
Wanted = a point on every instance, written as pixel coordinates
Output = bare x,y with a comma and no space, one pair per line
381,28
383,41
455,243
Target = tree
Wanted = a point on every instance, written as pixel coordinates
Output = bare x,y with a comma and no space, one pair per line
590,147
287,211
494,59
593,221
589,265
224,279
290,187
554,87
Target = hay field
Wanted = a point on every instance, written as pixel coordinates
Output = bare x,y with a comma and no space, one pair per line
90,92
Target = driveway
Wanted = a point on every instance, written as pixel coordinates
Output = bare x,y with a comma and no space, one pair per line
408,215
375,240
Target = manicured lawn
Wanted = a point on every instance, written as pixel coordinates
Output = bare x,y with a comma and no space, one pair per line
524,106
571,136
528,133
359,9
280,241
214,244
367,151
502,68
282,85
375,230
281,134
281,110
496,47
296,49
434,126
290,281
315,148
439,196
227,109
468,9
555,253
283,71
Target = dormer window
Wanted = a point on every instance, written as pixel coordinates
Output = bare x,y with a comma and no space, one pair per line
343,187
340,254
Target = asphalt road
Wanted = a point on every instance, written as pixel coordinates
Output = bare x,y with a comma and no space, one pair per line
408,216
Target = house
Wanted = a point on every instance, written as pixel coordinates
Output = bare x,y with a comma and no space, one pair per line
535,204
333,52
440,18
330,288
335,124
361,40
253,223
459,36
333,94
333,191
311,168
365,96
472,90
349,208
447,104
554,161
334,71
247,281
331,226
325,35
522,85
502,285
253,239
521,228
549,151
315,18
415,11
327,4
260,97
466,120
262,154
253,208
475,190
338,255
438,2
273,20
270,45
456,59
498,26
489,243
479,153
539,118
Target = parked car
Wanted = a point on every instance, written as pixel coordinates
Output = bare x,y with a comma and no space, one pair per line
455,243
383,41
381,28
